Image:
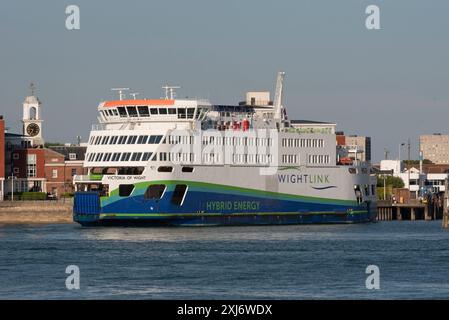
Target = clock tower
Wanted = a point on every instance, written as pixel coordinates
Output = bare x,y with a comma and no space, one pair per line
32,118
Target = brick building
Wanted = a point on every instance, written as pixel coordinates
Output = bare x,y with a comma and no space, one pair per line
33,167
61,164
28,169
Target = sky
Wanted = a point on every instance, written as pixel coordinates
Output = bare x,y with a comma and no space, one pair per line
390,84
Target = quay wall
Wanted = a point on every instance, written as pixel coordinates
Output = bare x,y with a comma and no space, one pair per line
35,212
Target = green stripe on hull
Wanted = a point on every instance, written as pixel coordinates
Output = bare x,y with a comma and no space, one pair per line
167,215
141,187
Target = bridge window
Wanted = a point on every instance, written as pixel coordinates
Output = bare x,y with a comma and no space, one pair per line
132,111
143,111
190,113
179,194
181,113
122,112
153,110
162,110
154,192
172,111
125,190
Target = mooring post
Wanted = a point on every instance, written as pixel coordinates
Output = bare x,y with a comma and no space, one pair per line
446,204
412,214
426,213
398,213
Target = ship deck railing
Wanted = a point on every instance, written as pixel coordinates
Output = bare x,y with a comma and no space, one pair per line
87,178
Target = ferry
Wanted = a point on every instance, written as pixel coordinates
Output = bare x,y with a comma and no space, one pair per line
187,162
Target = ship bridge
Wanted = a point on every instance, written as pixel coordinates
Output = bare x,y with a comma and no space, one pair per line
152,110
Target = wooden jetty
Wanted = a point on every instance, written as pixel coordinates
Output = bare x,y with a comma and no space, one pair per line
412,210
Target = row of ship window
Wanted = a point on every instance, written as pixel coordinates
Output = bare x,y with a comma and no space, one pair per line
222,141
156,192
319,159
145,112
156,139
118,156
302,143
180,157
143,139
208,157
312,158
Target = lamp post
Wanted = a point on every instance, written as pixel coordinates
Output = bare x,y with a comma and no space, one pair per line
399,153
12,186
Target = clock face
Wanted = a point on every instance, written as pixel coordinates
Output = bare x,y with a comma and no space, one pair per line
33,129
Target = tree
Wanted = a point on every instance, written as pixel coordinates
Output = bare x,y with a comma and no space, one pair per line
394,182
425,161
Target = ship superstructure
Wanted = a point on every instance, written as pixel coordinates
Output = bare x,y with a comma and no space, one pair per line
188,162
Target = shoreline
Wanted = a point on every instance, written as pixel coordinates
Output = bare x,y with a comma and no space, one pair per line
35,212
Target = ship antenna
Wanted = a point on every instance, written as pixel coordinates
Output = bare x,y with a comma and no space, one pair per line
121,95
278,96
134,94
170,91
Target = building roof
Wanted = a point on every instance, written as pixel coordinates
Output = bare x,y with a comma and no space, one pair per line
135,102
18,135
309,122
79,151
430,168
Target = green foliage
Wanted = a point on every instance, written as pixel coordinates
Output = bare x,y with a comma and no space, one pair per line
52,144
29,196
425,161
388,193
394,182
67,195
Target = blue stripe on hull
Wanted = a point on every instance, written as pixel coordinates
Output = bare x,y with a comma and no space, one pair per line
235,219
197,211
215,202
